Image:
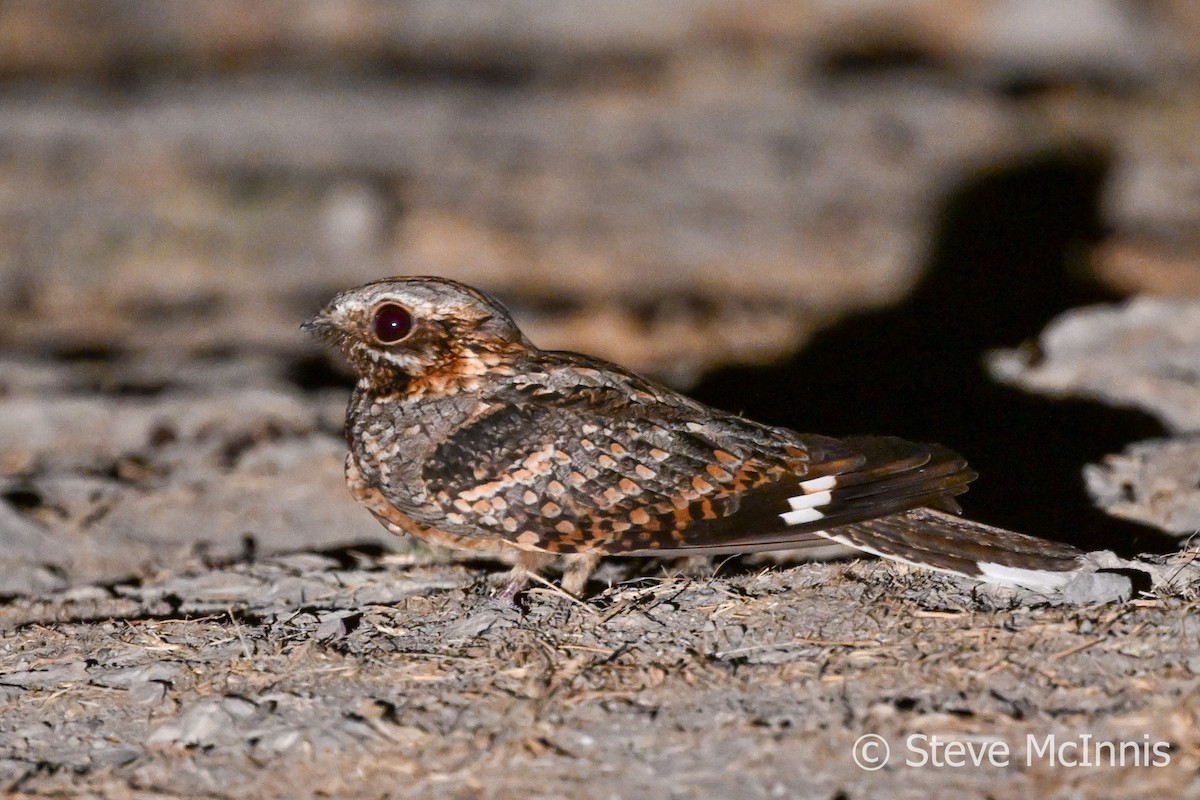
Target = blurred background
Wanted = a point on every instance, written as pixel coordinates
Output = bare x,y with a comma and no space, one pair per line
821,213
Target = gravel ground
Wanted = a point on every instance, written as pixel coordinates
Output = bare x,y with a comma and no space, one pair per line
310,675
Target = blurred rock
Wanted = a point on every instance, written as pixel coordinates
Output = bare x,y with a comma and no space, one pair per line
1096,587
1155,482
109,488
688,186
1140,353
1142,265
574,41
670,236
702,187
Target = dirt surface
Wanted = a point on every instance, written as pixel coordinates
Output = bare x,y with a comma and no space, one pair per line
304,675
192,606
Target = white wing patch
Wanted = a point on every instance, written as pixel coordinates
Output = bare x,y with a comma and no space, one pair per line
810,500
818,484
801,516
817,492
1027,578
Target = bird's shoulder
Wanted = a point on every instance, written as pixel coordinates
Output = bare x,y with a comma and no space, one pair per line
578,397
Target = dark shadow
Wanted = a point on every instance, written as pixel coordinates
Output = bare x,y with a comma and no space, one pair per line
313,372
354,554
1010,255
880,56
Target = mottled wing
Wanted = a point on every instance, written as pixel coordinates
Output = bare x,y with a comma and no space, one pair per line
599,471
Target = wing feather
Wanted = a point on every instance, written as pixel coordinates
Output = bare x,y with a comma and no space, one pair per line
607,470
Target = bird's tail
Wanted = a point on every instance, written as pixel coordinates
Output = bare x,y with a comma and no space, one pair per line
948,543
895,499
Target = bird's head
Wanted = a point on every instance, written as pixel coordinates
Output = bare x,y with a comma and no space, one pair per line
418,333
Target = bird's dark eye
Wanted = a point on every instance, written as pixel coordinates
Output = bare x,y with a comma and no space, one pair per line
392,323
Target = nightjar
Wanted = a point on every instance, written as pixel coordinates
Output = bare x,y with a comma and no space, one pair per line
463,433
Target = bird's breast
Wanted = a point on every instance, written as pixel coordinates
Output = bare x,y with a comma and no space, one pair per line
391,438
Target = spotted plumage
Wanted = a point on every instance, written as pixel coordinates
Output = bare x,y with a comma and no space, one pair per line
462,432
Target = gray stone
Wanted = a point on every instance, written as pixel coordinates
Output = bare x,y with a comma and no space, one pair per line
205,723
48,678
1154,482
1096,587
1139,353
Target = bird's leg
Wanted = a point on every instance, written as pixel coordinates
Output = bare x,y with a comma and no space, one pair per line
528,563
579,567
